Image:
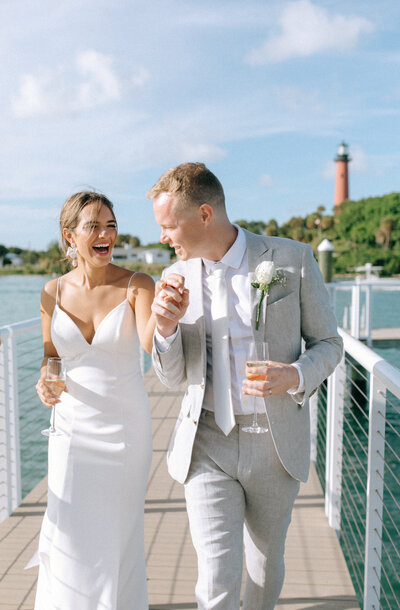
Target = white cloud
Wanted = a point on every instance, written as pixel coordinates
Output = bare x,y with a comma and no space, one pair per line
140,78
306,29
266,180
101,84
92,82
32,100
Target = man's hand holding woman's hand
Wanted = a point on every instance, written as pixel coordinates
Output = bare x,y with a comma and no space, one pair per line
170,303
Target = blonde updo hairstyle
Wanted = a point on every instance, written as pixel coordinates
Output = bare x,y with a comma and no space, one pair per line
72,208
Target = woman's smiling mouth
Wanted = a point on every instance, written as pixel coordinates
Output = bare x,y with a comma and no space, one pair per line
101,248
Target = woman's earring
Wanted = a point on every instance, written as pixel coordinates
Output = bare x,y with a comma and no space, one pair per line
72,253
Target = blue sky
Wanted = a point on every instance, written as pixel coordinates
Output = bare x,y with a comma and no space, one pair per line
109,94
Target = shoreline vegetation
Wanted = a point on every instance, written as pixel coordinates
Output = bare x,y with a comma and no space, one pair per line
153,269
364,231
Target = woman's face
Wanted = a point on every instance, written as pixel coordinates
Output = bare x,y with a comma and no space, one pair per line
95,234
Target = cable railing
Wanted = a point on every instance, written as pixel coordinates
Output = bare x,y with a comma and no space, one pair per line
355,444
23,450
356,449
24,455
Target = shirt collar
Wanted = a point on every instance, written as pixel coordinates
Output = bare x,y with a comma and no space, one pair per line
234,256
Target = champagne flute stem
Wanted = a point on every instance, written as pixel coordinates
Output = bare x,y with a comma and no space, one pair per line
53,418
255,422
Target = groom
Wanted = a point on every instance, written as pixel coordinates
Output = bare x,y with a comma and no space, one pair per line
239,487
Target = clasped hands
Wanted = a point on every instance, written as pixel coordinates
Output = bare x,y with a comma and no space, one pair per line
170,303
169,306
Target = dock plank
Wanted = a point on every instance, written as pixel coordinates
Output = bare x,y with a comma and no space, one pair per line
316,574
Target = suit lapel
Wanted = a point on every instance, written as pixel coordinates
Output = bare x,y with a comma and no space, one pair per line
257,251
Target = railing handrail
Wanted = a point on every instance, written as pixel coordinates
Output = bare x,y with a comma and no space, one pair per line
19,328
379,283
388,374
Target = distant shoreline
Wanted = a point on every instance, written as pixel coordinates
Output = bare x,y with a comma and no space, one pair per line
154,269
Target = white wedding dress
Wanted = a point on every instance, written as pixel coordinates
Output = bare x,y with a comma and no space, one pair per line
91,549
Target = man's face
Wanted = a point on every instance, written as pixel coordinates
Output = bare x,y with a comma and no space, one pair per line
183,230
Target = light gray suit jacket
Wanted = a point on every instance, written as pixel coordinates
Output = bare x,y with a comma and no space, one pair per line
299,310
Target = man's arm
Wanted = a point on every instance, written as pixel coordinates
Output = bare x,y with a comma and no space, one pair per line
323,345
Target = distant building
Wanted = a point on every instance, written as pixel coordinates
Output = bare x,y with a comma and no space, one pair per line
127,254
342,174
15,259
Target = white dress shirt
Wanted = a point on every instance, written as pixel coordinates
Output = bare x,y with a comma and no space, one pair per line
240,332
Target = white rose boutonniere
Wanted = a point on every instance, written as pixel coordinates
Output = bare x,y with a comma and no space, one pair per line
265,275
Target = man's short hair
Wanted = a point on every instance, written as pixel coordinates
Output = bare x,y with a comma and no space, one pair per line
193,183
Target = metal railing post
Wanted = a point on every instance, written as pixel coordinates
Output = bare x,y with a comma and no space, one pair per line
368,317
376,465
314,425
11,477
334,442
5,480
14,423
355,310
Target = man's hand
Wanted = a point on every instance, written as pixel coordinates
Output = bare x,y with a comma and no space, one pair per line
279,379
170,303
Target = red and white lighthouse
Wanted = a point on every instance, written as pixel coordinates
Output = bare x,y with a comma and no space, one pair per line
342,173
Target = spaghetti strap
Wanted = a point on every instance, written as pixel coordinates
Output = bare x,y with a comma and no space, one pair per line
129,283
58,284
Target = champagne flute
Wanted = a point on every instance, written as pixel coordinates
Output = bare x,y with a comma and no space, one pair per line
55,379
257,355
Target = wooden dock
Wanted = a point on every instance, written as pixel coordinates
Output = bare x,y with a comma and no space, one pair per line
316,573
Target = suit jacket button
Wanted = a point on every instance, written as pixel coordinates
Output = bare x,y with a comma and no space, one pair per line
195,422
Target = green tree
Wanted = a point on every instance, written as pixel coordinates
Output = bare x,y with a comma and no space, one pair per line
255,226
297,233
122,238
134,241
272,228
311,220
326,222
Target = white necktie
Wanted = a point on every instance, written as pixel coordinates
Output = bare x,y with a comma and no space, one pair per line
221,371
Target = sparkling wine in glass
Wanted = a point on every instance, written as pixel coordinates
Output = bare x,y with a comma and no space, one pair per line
55,379
257,356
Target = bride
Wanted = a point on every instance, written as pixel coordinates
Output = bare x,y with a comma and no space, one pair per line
91,548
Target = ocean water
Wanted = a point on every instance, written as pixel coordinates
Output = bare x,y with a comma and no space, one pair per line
20,297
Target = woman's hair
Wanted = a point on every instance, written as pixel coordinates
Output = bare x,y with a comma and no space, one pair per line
72,208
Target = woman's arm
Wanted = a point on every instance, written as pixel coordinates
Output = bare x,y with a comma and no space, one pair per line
141,295
47,304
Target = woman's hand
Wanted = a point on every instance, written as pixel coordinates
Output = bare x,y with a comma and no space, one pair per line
46,394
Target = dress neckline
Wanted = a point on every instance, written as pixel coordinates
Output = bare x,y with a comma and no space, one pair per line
99,326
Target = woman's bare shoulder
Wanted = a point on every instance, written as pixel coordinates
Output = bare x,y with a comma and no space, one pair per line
142,280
